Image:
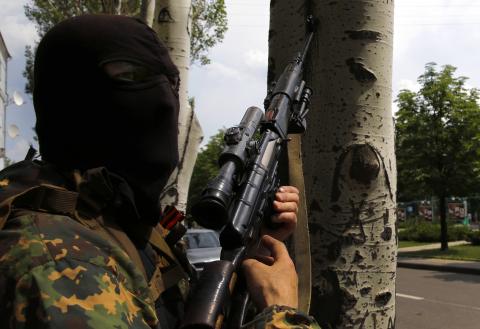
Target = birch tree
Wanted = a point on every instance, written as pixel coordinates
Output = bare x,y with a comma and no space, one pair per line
348,155
172,22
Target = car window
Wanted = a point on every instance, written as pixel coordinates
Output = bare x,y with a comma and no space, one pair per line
202,240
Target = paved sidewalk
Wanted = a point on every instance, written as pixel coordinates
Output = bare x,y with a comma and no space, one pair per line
432,246
443,265
434,264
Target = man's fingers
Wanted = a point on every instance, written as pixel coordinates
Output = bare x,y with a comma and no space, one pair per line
288,219
287,197
267,260
289,189
285,206
277,248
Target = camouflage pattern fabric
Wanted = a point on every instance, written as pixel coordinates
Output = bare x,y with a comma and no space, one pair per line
282,317
58,274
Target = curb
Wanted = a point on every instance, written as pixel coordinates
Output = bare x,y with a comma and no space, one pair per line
440,268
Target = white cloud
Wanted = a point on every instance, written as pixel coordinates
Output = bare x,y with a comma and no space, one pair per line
221,70
16,29
256,58
408,84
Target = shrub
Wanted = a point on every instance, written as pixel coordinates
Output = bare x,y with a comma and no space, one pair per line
474,238
422,231
458,232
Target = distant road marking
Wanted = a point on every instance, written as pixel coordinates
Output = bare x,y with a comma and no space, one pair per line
410,297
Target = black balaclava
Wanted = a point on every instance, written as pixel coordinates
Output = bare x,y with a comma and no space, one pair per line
86,119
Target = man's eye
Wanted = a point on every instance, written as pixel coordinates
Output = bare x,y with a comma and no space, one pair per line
125,71
125,76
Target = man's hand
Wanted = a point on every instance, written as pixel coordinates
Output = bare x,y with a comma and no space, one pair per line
273,280
286,208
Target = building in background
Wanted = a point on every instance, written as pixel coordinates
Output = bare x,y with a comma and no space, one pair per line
4,57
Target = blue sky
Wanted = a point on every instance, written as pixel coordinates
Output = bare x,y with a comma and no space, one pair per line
442,31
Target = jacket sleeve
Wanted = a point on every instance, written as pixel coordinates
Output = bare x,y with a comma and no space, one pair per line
282,317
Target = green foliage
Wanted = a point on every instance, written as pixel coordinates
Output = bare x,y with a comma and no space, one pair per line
474,238
209,23
422,231
437,136
206,167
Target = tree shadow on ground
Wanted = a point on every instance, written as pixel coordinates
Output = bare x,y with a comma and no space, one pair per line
452,277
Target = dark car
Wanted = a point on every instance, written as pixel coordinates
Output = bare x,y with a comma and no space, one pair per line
203,246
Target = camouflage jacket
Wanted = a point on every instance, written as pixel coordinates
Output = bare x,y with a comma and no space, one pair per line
58,272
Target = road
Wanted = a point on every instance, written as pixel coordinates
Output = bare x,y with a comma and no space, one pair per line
437,300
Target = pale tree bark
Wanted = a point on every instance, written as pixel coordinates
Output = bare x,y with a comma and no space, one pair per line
348,154
172,22
147,12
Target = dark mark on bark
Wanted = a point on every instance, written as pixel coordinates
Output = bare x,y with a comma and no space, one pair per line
364,35
357,258
365,291
362,323
349,300
334,250
350,279
164,16
387,234
360,72
365,166
391,323
383,298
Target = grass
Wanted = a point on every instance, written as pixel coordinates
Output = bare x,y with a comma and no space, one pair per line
467,252
405,244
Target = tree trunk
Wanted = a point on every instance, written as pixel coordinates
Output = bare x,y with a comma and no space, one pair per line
147,12
443,223
117,7
348,154
172,22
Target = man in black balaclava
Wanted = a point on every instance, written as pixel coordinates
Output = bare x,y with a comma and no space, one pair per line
79,243
106,94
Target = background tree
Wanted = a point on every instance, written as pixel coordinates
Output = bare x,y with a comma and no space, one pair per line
438,140
208,29
348,155
206,167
